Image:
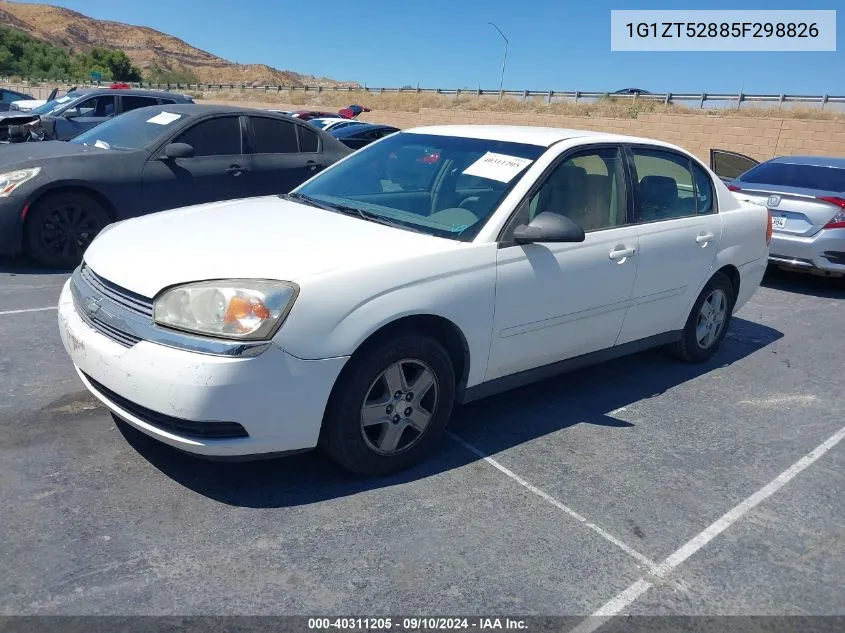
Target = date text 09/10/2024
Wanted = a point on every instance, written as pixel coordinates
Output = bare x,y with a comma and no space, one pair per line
416,624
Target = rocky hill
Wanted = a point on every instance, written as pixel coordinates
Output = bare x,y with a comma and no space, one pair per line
150,50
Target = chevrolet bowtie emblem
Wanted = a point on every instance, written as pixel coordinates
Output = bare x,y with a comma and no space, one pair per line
773,201
92,306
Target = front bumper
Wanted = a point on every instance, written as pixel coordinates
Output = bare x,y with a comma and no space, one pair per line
11,225
823,252
173,394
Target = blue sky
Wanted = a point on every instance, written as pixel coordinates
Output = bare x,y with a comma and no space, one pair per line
554,44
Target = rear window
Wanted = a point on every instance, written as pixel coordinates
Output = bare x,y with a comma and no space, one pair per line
791,175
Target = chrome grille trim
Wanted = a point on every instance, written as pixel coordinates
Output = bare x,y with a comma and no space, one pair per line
121,296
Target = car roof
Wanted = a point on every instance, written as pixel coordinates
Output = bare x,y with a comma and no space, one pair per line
140,92
815,161
530,135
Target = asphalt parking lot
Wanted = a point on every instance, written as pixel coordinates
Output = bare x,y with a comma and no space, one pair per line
598,490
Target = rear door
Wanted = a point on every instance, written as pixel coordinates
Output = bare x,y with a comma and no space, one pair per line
730,165
282,155
217,171
133,102
679,233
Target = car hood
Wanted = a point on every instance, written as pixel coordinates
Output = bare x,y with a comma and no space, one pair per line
15,154
255,238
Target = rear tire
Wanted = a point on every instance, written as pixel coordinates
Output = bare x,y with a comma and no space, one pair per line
61,226
707,323
390,406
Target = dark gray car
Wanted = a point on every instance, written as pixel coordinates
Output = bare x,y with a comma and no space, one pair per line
68,116
56,196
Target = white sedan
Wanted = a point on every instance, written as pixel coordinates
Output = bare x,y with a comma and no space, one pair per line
327,123
438,265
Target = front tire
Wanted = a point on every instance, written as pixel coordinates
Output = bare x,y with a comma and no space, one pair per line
708,321
390,407
61,226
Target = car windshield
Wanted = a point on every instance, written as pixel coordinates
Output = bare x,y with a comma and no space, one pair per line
793,175
446,186
52,106
130,131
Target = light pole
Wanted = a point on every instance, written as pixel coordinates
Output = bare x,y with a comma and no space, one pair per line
504,59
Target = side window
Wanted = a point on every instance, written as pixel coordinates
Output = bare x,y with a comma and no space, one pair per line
214,137
273,136
308,140
587,187
102,106
704,198
166,101
666,188
8,97
131,102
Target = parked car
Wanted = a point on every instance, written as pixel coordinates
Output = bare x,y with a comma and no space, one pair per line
805,196
631,91
333,123
26,105
68,116
56,196
353,313
8,96
363,134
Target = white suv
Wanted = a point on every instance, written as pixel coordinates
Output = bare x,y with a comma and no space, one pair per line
438,265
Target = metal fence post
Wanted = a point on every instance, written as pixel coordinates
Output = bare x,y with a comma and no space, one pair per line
703,99
824,101
551,93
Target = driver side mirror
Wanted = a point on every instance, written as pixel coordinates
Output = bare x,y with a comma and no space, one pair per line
548,227
178,150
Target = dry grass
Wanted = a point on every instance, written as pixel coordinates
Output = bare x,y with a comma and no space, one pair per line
605,108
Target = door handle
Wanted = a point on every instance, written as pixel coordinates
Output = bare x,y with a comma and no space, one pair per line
312,164
704,238
235,170
619,255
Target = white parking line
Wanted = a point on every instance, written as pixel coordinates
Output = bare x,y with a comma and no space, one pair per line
621,601
5,312
650,565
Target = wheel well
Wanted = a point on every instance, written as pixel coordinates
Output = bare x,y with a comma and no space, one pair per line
732,273
441,329
85,191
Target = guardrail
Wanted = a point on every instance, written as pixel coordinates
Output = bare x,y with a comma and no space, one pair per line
548,95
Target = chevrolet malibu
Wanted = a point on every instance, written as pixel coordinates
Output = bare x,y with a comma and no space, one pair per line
436,266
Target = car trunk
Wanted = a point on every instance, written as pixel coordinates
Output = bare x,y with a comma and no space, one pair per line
792,213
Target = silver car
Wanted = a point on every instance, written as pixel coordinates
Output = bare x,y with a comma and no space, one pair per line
805,196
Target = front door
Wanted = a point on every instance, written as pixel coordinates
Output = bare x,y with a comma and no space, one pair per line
557,301
679,234
85,115
217,170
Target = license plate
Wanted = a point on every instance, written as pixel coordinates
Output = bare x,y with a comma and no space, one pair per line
778,222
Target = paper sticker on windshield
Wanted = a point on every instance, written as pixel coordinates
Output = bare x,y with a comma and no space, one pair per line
499,167
102,144
164,118
63,99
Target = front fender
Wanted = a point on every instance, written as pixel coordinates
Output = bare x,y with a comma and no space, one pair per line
333,316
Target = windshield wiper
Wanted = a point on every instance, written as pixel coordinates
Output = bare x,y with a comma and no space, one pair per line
347,210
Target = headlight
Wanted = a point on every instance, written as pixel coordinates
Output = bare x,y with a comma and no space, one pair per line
11,180
229,308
